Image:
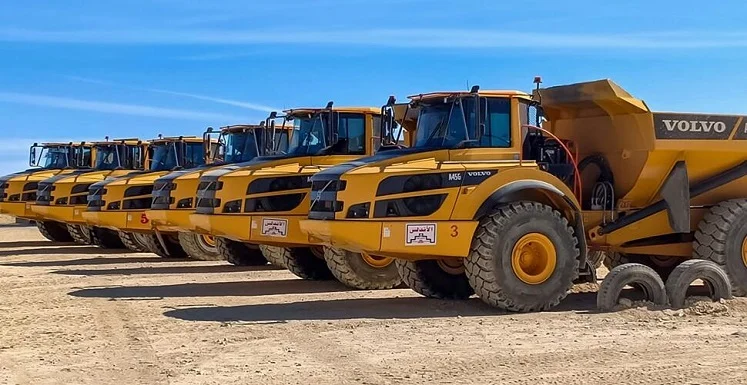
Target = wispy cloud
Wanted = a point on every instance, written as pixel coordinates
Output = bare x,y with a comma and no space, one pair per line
114,108
403,38
230,102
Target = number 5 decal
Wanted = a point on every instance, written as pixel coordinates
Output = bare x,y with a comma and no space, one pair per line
143,218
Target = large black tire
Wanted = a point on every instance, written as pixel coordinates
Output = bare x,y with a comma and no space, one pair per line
429,279
133,242
353,271
105,238
197,247
172,250
491,272
81,234
54,231
631,274
661,265
722,238
305,263
239,253
596,258
687,272
274,255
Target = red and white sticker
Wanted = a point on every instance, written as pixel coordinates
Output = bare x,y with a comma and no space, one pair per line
274,227
420,234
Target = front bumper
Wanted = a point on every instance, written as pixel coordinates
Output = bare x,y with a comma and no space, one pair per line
236,227
18,210
65,214
409,240
170,220
280,231
132,221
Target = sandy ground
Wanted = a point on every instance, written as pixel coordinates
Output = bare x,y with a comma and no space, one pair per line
81,315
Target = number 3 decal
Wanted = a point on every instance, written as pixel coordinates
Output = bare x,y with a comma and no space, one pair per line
454,231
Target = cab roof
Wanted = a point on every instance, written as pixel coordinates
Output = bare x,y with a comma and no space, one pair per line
311,110
168,139
127,141
242,127
489,93
60,144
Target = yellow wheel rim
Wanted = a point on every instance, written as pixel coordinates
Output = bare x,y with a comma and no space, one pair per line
376,261
533,258
452,266
744,251
209,240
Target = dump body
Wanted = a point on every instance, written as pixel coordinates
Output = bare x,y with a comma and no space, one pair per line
641,148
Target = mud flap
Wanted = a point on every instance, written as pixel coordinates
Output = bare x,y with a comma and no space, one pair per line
676,194
162,242
587,272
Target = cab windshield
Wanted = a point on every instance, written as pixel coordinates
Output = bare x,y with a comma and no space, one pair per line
239,146
116,156
55,157
308,137
172,155
312,136
453,125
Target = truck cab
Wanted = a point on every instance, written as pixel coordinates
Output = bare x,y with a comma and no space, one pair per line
174,194
18,190
255,208
62,199
116,207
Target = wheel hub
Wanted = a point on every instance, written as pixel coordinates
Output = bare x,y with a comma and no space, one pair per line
452,266
208,240
533,258
376,261
744,251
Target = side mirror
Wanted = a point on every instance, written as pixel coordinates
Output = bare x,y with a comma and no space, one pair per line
32,155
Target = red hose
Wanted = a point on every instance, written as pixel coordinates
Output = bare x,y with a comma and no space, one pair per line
577,188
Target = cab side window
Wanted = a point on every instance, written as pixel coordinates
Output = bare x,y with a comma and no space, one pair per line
497,123
353,128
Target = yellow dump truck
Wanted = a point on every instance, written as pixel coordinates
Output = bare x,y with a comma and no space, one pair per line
262,202
174,194
503,193
116,208
18,191
62,198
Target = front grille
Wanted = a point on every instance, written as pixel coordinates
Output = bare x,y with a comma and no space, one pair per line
162,195
96,199
44,194
324,203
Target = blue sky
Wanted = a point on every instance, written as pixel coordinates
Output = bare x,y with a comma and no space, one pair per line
86,69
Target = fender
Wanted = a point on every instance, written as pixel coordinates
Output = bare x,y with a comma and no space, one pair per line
499,196
508,192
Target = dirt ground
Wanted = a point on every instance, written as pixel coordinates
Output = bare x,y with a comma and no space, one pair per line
81,315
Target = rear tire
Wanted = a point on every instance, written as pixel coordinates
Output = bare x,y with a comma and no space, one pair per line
54,231
81,234
172,250
429,279
664,268
524,257
305,263
239,253
354,271
133,242
105,238
197,247
722,238
274,255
